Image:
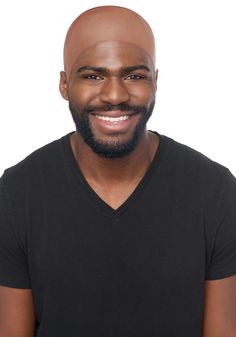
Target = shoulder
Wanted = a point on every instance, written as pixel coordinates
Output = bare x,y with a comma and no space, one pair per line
28,171
194,163
186,154
195,175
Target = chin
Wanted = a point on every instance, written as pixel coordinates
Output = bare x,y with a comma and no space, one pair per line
113,147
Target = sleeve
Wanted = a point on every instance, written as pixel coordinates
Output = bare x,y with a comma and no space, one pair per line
223,258
13,260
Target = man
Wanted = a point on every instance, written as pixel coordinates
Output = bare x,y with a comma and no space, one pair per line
114,230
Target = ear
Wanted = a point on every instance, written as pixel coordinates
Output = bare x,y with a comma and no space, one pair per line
63,86
156,77
156,74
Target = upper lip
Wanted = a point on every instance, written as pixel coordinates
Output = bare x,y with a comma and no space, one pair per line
114,113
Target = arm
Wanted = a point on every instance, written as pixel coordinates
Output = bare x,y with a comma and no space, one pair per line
17,316
220,308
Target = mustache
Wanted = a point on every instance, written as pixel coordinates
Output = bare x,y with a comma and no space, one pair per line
111,107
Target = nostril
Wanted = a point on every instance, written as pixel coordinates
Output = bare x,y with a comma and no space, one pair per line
114,92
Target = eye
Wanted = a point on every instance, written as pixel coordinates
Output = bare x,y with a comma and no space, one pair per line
92,77
134,77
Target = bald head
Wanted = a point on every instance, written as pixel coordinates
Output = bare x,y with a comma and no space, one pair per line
106,23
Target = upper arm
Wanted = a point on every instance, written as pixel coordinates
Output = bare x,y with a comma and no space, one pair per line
220,308
17,316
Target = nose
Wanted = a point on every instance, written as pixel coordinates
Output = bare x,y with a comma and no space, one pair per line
114,92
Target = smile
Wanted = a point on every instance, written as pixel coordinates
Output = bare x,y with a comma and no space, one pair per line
113,119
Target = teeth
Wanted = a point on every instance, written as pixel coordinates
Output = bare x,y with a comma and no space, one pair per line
113,119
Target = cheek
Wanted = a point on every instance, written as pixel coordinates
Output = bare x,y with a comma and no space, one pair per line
81,95
143,94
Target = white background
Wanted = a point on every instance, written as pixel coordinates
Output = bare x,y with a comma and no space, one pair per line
196,57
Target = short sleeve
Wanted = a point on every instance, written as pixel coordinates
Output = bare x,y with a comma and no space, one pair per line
13,260
223,259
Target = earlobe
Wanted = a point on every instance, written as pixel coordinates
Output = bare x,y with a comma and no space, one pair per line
63,87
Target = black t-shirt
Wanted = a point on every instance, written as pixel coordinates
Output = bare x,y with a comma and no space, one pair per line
137,271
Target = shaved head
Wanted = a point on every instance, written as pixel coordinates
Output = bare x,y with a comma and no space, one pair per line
106,23
109,79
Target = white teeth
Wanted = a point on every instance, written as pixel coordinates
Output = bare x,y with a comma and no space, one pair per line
113,119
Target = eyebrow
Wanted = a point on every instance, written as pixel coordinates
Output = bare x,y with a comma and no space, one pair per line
103,70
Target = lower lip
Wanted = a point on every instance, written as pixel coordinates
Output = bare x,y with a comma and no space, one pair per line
120,125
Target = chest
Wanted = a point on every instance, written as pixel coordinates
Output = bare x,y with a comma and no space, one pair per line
152,241
114,195
133,260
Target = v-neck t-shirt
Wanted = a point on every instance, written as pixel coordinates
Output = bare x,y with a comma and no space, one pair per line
134,271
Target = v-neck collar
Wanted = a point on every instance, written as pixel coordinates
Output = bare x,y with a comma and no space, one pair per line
89,192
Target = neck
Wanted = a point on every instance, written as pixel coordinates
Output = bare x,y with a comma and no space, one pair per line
104,170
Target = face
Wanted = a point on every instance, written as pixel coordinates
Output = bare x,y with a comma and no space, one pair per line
111,93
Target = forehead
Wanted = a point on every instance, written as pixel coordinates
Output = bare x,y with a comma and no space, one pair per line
113,55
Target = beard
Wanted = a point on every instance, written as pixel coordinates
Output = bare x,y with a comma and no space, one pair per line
114,148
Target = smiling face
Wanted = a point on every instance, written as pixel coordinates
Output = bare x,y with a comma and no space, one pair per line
111,89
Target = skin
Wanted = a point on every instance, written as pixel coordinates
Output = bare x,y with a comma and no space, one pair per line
106,23
89,42
115,87
111,82
17,316
220,308
104,37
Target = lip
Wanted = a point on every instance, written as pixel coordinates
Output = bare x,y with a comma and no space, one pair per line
122,126
115,113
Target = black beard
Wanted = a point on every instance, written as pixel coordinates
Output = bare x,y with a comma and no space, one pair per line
114,149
